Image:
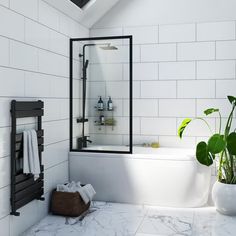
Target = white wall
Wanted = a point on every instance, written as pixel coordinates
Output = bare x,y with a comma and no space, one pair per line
153,12
34,46
179,69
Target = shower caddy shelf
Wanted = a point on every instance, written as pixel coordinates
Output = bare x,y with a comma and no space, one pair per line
101,112
24,188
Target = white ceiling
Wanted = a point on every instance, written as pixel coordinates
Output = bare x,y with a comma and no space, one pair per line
87,16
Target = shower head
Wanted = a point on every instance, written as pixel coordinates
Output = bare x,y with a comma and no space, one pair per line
108,47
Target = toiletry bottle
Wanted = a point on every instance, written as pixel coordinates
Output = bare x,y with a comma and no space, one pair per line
100,104
109,105
102,120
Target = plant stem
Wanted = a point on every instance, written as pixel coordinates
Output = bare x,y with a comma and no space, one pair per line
199,118
220,122
229,122
220,167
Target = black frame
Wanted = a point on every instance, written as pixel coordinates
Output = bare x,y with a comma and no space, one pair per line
130,37
24,188
80,3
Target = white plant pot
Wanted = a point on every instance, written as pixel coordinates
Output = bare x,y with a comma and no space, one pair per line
224,197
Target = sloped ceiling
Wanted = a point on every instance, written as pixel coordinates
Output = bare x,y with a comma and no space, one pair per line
87,16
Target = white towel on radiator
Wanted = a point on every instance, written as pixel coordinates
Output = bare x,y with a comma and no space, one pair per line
26,167
31,163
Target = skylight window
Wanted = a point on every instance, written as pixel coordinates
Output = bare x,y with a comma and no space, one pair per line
80,3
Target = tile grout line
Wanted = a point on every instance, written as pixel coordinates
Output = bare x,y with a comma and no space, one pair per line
145,215
167,24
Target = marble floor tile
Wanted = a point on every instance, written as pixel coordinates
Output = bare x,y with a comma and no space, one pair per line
207,221
104,219
168,221
112,219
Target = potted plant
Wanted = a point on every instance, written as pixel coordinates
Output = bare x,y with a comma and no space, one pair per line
221,146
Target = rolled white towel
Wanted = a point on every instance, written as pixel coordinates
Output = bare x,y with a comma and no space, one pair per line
89,191
61,188
84,195
71,187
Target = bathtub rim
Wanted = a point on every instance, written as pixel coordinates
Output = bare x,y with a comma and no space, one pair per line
143,156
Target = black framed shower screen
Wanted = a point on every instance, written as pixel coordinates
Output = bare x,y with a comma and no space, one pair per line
129,38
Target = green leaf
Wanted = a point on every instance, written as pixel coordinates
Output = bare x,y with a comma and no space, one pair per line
231,143
203,155
232,99
210,111
182,127
216,144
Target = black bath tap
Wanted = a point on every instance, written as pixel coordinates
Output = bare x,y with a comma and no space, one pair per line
86,140
82,142
89,141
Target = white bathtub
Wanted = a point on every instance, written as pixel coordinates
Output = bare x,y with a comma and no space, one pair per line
163,176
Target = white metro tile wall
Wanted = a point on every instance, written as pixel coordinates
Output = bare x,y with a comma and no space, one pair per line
179,70
5,172
145,107
13,26
36,34
48,15
177,108
4,109
177,33
160,126
106,32
158,89
196,51
196,89
4,2
142,71
4,203
34,43
58,67
9,77
216,31
23,56
226,50
5,225
158,52
225,88
216,69
27,8
143,35
222,104
4,49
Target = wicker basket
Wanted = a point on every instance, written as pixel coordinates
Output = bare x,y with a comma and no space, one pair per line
68,204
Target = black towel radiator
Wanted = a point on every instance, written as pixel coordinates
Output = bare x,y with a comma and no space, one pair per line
24,188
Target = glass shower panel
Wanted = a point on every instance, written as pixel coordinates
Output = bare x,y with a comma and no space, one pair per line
102,94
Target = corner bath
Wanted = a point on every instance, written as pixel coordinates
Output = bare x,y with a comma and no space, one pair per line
164,176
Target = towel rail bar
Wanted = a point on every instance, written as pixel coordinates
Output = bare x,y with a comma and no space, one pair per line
24,177
25,192
19,154
28,199
19,136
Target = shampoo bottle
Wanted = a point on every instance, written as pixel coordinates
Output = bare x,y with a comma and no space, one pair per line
100,105
109,104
